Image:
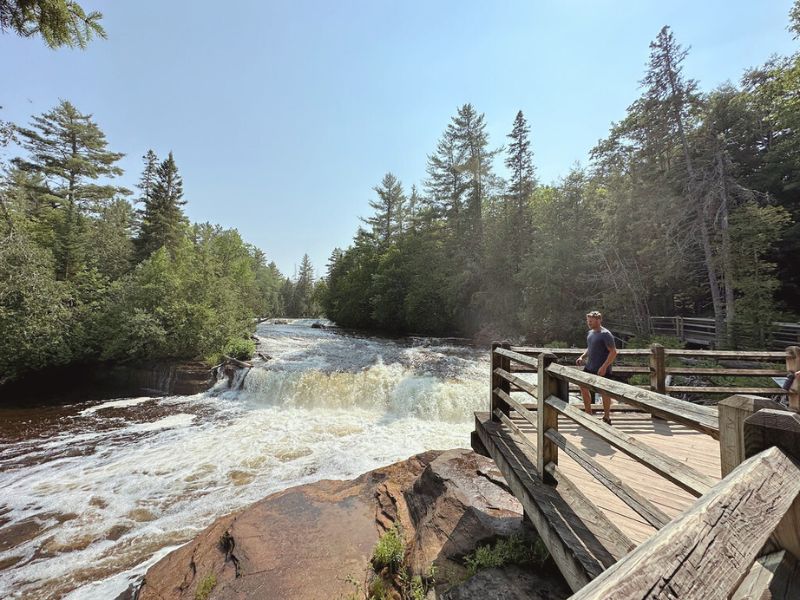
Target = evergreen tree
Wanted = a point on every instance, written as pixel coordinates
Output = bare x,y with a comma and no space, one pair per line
69,152
147,181
446,182
59,22
162,218
304,289
472,140
387,221
520,163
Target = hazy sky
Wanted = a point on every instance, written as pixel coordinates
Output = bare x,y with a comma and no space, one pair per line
283,116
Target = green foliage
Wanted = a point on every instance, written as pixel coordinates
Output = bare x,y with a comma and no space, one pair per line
240,349
389,551
514,550
59,22
34,308
71,287
205,587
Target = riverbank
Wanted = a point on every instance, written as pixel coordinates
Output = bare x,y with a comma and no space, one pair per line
411,529
81,382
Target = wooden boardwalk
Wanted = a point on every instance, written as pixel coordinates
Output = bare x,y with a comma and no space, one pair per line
690,447
673,500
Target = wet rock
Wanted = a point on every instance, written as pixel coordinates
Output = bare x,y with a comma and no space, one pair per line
316,540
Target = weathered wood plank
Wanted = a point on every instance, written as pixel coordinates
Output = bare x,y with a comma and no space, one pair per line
525,386
705,553
701,418
615,407
536,350
643,507
556,523
521,410
732,413
722,371
547,417
528,361
677,472
699,389
742,355
513,427
617,542
781,429
772,577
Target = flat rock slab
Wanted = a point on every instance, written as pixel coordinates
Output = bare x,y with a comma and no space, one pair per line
315,541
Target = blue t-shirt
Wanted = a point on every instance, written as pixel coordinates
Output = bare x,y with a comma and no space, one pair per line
598,343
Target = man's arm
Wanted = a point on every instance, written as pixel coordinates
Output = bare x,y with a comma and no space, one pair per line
581,360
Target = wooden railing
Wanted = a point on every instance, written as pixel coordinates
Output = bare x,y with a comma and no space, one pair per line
710,550
702,331
661,365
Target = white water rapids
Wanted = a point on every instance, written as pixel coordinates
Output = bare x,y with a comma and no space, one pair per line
92,494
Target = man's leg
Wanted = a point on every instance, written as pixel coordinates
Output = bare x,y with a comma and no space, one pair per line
587,399
606,406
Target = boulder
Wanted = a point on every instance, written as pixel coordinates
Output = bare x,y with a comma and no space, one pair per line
316,540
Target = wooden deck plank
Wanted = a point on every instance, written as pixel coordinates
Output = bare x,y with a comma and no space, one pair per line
678,441
570,540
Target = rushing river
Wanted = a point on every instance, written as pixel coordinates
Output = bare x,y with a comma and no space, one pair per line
92,494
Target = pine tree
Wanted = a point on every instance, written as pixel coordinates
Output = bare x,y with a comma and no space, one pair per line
410,217
69,152
472,141
60,23
446,182
387,221
162,218
147,181
520,163
304,289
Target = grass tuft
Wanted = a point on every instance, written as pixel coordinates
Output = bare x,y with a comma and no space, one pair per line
205,587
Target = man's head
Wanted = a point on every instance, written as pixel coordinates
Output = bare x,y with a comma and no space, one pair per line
594,319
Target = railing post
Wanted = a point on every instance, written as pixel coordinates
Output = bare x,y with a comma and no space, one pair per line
792,366
547,451
658,369
494,382
732,414
498,382
779,428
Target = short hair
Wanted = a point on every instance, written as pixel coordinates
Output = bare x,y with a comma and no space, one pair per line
596,314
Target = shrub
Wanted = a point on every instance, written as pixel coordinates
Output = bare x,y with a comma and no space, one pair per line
514,550
241,349
389,551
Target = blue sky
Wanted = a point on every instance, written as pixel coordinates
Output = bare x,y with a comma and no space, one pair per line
283,116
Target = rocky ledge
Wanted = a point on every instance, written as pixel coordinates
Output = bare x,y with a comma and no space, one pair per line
319,540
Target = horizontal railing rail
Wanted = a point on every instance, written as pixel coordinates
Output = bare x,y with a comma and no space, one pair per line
688,537
662,366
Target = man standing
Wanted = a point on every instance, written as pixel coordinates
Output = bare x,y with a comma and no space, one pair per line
597,359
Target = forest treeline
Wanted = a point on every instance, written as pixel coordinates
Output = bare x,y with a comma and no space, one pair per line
690,207
90,271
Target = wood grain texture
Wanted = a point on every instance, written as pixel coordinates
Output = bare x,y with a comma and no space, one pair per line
677,472
643,507
732,413
706,552
701,418
772,577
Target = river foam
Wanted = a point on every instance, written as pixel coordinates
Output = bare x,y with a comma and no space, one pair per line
126,479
